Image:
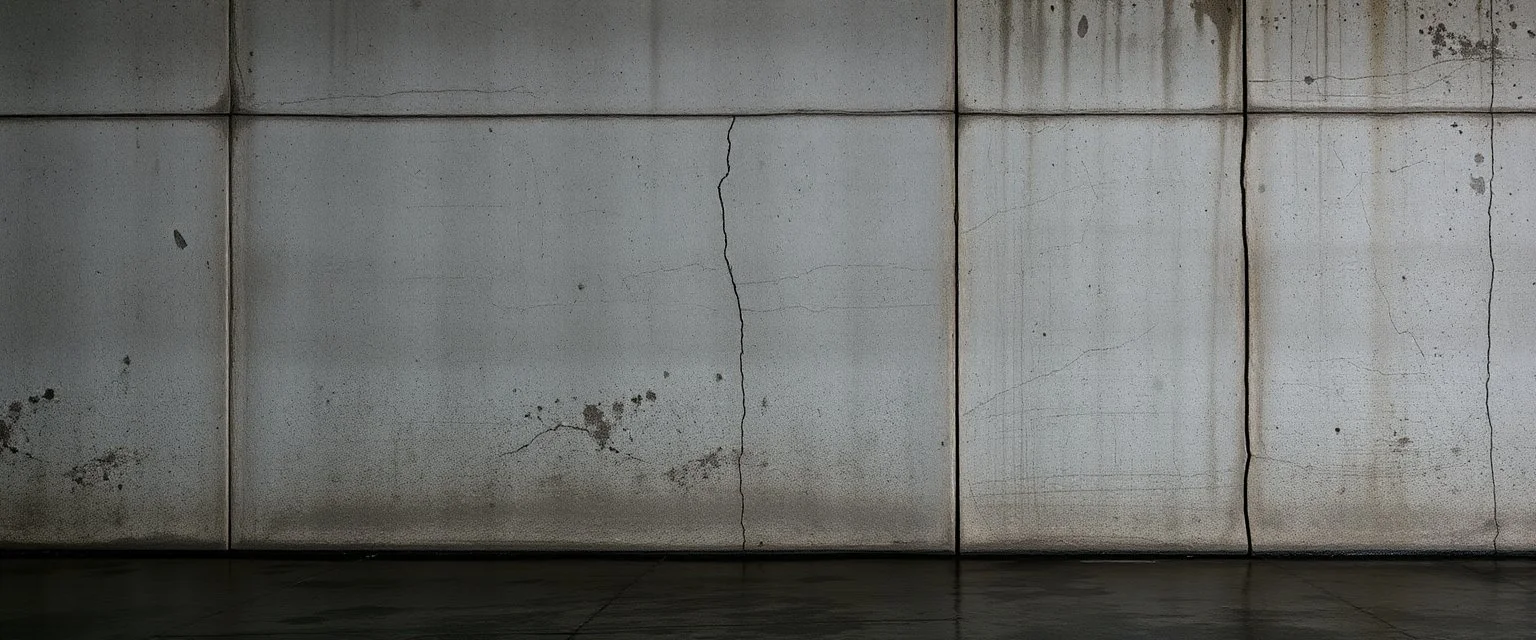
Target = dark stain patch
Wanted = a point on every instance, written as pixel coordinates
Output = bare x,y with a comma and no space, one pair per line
1309,79
765,402
181,242
1479,184
48,394
666,374
99,470
687,473
1082,26
650,395
597,425
719,377
618,410
6,433
15,407
127,361
1478,158
637,400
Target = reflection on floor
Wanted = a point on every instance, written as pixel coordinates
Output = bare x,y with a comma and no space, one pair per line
773,598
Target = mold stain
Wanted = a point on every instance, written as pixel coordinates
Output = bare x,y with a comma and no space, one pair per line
16,413
597,425
688,473
100,470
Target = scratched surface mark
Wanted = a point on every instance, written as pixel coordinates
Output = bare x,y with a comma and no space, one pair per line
1101,334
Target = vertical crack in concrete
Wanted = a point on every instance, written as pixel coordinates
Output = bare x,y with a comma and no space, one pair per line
1493,168
1242,199
741,344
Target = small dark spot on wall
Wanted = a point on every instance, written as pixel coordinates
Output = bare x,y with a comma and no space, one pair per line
34,399
15,407
1479,184
48,394
181,242
618,409
636,400
1335,429
719,377
1309,79
127,361
650,395
765,402
580,286
1404,441
1082,26
666,374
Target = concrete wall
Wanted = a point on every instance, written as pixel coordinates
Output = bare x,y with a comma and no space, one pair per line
727,275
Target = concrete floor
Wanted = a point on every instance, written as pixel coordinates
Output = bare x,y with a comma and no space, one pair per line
792,598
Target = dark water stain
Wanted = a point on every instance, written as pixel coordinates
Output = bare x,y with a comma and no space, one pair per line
181,242
1082,26
1479,184
1224,17
597,425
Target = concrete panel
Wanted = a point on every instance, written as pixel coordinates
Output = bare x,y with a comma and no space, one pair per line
1102,334
1369,302
1514,60
525,334
1413,55
1512,347
597,56
112,56
112,397
842,242
1039,56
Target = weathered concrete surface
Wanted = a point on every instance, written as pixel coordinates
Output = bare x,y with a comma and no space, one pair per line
1102,334
842,242
1514,62
1369,303
1512,345
524,333
1039,56
112,393
1374,55
112,56
601,56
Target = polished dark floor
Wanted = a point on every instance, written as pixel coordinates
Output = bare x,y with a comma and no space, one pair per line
788,598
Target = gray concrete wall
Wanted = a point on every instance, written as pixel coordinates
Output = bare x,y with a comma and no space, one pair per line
909,275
